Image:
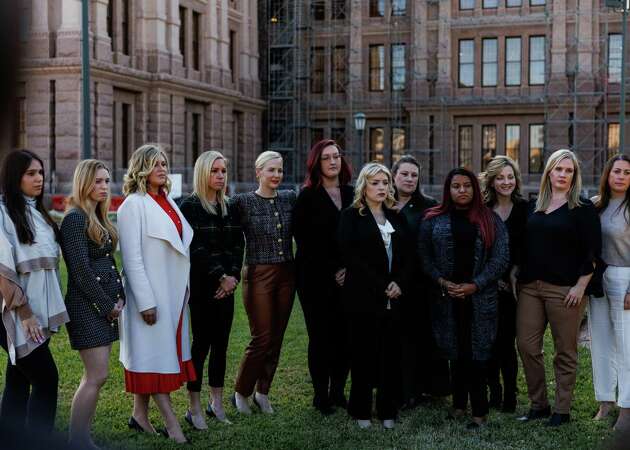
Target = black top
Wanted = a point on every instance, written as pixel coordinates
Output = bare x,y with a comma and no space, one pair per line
216,248
315,222
464,238
561,246
365,259
414,211
515,224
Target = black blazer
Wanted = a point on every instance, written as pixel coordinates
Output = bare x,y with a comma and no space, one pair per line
366,262
315,222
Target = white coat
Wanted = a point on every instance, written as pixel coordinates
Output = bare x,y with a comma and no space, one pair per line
156,270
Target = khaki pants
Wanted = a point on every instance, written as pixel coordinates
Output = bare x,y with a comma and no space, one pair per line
268,293
541,303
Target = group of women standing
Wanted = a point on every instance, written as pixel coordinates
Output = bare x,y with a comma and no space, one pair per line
393,286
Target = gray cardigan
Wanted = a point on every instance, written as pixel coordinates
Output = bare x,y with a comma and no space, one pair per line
437,250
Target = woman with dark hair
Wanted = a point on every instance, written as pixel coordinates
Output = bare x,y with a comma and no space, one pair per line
562,243
376,254
501,189
419,379
464,249
320,272
32,303
609,316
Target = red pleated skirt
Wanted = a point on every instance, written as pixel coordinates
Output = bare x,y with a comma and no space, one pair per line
162,383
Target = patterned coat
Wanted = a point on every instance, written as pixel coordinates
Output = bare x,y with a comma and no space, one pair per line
94,284
437,250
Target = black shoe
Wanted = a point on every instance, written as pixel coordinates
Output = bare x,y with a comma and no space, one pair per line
164,432
409,404
323,406
509,406
535,414
134,425
558,419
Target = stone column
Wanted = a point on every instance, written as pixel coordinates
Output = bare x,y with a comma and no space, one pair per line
213,72
224,46
558,53
420,54
445,79
254,51
152,48
38,40
103,42
69,32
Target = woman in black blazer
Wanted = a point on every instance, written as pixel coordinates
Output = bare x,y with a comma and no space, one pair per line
95,294
320,272
376,255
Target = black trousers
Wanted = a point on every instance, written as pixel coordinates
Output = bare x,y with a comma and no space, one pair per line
327,327
504,361
469,376
375,363
30,390
423,371
211,322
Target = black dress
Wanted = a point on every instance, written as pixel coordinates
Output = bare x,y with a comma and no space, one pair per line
315,222
504,361
94,284
423,371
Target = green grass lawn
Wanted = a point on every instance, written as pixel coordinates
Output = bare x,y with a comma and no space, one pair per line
296,425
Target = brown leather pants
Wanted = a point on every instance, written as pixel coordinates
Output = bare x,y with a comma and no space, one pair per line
268,293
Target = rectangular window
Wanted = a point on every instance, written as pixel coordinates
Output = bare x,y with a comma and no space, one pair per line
537,60
513,61
614,58
196,36
399,7
339,136
513,3
196,132
489,59
398,67
466,63
233,55
318,64
399,143
125,26
317,134
536,146
319,10
488,144
465,146
110,23
489,4
512,141
377,144
339,70
182,35
466,4
612,141
19,124
537,2
338,10
377,8
377,67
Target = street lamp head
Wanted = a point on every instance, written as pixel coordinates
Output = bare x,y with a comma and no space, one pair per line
359,121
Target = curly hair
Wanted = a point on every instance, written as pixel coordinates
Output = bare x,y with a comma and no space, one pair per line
369,171
141,165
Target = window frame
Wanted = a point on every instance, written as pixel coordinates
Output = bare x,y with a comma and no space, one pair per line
518,146
532,61
396,68
509,62
318,74
380,69
461,64
485,63
530,148
460,161
617,78
485,144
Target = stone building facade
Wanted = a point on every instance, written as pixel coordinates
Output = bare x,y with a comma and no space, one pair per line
457,81
183,73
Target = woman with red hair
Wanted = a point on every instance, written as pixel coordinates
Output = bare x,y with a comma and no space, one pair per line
464,249
320,272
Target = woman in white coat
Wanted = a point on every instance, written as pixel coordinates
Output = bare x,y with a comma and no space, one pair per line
154,339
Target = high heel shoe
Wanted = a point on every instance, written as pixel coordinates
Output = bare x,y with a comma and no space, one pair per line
188,417
211,413
164,432
133,424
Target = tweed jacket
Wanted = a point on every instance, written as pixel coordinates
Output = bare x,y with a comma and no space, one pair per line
216,248
437,250
94,284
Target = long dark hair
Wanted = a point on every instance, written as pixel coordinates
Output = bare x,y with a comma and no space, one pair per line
478,213
313,165
604,188
14,167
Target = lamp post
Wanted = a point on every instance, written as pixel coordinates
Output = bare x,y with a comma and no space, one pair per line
624,5
359,125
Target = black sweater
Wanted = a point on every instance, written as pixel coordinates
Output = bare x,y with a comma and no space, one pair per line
561,246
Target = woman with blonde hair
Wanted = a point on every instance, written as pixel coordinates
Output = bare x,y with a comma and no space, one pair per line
216,257
501,190
154,242
266,216
376,254
562,242
95,297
